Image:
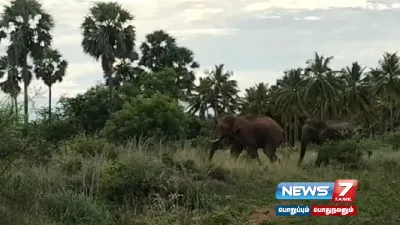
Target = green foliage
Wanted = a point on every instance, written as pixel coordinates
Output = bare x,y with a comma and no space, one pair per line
142,187
60,128
162,82
393,139
90,109
347,152
57,170
71,208
90,147
157,116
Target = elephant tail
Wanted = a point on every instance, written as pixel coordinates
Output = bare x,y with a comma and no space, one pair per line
303,149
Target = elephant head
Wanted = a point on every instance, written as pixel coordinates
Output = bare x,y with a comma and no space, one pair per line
227,127
312,131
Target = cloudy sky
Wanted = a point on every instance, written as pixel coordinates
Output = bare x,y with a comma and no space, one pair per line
258,40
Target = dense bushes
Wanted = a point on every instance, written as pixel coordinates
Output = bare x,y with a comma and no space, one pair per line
83,185
157,116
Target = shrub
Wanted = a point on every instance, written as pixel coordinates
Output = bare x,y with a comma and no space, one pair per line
157,116
347,152
70,208
89,146
139,179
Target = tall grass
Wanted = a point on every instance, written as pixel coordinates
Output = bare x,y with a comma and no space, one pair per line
157,185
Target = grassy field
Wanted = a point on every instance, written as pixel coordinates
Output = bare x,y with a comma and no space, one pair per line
139,184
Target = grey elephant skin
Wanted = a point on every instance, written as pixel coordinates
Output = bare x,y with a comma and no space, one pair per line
318,132
248,132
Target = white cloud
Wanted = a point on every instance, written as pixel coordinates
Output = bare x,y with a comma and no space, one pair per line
269,17
187,33
304,4
311,18
193,19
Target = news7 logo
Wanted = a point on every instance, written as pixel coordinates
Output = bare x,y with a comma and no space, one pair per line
345,191
339,191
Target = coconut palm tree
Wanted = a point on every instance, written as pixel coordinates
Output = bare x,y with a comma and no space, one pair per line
256,99
108,36
322,85
290,97
387,84
200,100
223,91
51,69
10,85
355,92
28,28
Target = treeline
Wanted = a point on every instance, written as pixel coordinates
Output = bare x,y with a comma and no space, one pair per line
143,93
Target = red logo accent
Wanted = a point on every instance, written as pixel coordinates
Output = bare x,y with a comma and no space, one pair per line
331,210
345,191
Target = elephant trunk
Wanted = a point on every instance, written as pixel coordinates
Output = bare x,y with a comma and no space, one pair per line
303,149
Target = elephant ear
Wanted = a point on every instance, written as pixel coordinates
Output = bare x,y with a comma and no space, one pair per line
237,125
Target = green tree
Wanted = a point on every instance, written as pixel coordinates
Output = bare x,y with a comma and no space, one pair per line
290,97
257,99
162,82
10,85
355,93
157,116
223,91
90,109
200,99
387,84
108,36
160,51
322,84
28,28
51,69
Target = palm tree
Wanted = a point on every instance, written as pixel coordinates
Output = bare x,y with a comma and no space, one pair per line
257,99
160,51
51,69
28,28
126,72
322,83
11,84
290,97
387,84
224,91
355,93
107,36
200,100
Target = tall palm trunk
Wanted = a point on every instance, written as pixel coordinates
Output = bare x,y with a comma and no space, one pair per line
109,74
16,107
391,113
25,75
290,131
322,110
296,128
50,104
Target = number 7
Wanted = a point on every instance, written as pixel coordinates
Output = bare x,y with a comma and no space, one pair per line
347,188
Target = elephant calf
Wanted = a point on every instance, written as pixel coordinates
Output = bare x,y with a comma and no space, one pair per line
250,132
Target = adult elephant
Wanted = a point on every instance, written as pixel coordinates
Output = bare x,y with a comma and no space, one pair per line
319,132
249,132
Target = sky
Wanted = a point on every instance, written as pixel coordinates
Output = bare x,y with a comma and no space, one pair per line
257,40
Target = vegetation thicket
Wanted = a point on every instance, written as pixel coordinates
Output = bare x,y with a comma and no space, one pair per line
129,152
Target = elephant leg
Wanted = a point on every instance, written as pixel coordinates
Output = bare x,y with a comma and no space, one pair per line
253,153
270,151
236,150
